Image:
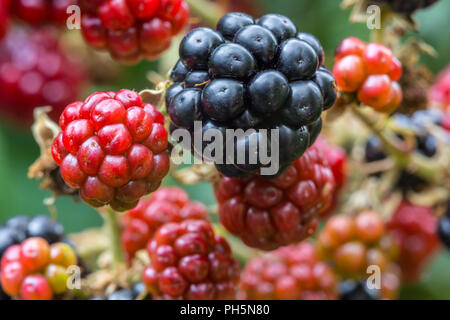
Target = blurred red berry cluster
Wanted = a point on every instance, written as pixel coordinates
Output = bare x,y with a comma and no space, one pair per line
35,270
133,29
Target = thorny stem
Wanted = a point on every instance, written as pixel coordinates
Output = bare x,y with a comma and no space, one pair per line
404,158
209,12
114,236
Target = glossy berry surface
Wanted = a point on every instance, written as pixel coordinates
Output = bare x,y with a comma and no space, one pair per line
415,230
168,204
289,273
133,29
269,213
113,148
371,70
45,76
36,270
352,244
190,262
250,74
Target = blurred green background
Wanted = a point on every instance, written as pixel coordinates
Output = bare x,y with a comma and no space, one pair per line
325,19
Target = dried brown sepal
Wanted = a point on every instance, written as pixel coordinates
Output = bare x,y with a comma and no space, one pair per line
44,168
197,173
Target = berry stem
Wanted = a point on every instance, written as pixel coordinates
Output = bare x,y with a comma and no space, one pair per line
114,236
209,12
404,158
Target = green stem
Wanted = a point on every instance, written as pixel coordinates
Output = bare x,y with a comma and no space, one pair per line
208,11
114,236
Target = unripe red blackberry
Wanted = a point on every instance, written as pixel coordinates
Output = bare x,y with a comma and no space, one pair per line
35,72
168,204
337,159
35,270
188,261
269,213
371,70
289,273
39,12
352,244
113,148
133,29
415,230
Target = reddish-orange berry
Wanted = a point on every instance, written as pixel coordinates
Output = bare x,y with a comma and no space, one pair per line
11,278
34,254
349,73
395,73
369,226
349,46
36,287
375,91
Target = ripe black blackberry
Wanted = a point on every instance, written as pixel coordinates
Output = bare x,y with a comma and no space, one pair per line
426,144
406,6
251,74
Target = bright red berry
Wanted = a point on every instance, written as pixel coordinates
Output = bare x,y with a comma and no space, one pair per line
169,204
36,287
34,254
395,99
10,255
289,273
395,73
12,276
35,72
372,70
375,91
378,59
349,73
269,213
112,148
190,262
414,228
133,29
349,46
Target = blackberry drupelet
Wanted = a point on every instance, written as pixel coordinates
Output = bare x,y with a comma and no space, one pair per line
251,74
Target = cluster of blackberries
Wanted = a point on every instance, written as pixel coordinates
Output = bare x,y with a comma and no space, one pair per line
426,144
19,228
444,227
251,74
